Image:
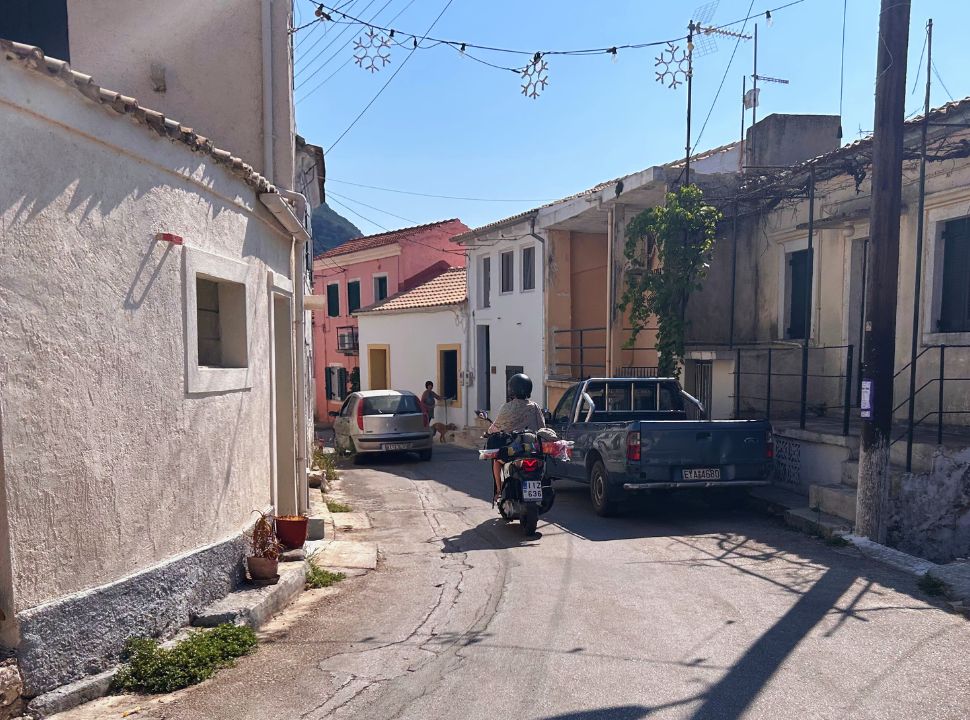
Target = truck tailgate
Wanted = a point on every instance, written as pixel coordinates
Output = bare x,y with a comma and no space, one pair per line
704,452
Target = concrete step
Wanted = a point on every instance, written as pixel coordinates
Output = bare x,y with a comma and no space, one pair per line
813,522
837,500
252,605
850,473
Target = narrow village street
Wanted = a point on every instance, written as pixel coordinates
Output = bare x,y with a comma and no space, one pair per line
680,610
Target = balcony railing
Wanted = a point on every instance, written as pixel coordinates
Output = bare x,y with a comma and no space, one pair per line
347,342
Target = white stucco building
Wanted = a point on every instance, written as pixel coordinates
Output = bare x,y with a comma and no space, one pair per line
506,281
151,329
420,335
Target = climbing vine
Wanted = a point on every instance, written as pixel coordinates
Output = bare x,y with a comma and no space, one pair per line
668,251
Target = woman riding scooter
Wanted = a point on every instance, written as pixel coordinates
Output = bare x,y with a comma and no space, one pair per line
519,413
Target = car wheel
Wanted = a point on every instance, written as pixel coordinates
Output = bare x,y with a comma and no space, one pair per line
599,490
425,454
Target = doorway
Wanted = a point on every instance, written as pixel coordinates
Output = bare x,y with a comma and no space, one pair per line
379,371
285,489
484,350
449,385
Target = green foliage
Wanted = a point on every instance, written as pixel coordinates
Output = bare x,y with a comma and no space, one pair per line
335,506
669,250
153,669
326,461
355,380
317,577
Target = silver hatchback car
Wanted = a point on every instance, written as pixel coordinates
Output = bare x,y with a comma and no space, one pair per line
381,421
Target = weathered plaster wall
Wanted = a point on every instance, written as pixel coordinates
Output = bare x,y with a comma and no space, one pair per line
110,467
212,85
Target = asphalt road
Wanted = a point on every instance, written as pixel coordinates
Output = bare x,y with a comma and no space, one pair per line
679,609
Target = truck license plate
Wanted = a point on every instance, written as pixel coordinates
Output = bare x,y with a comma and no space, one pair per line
532,490
702,474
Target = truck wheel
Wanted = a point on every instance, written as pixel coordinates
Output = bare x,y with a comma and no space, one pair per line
425,454
599,490
530,520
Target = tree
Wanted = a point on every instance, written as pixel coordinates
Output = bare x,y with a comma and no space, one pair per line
668,250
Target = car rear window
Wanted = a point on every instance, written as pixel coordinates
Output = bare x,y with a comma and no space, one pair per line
391,405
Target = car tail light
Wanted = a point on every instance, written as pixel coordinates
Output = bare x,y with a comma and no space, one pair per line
530,465
769,445
633,447
360,414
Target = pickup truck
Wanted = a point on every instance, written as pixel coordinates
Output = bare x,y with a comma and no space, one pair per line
634,435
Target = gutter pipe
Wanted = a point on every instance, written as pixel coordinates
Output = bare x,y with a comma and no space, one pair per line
268,131
542,275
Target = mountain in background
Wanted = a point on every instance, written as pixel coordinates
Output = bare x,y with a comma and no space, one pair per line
330,229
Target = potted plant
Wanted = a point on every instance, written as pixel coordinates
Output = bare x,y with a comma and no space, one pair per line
291,530
264,552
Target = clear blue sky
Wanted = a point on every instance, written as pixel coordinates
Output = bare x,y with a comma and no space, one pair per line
447,125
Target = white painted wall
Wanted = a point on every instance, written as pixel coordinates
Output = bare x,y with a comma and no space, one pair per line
109,464
516,320
414,338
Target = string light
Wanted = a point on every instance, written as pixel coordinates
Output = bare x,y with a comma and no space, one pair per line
613,53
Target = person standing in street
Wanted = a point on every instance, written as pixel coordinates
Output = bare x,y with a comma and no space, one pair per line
428,399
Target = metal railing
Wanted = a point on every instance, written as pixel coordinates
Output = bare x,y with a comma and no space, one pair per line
583,354
638,371
940,379
770,396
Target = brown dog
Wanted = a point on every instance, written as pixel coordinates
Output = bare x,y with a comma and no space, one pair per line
441,429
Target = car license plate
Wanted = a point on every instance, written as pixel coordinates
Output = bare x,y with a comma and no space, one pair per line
702,474
532,490
396,446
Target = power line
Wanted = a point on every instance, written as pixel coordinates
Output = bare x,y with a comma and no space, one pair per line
845,9
346,62
362,217
942,84
338,50
330,44
393,75
720,87
433,195
358,202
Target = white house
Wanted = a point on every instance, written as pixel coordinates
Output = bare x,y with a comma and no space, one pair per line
506,280
423,333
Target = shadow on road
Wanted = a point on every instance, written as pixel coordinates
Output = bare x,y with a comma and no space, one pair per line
620,712
493,534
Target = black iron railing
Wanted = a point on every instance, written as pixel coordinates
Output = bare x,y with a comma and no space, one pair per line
940,378
638,371
763,362
586,348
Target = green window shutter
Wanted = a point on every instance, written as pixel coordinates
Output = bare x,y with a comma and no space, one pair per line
333,300
353,296
955,298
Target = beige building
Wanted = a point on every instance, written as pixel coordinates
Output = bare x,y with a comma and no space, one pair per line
152,333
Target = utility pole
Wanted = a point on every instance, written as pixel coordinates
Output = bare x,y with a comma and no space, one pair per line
880,325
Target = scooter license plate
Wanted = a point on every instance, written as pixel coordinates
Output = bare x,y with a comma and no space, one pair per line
532,490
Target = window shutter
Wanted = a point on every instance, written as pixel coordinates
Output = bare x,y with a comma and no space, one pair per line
353,296
329,380
954,299
342,383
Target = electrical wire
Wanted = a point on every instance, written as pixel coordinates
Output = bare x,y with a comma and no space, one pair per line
346,62
362,217
720,87
308,63
942,84
371,207
443,197
389,80
433,42
845,9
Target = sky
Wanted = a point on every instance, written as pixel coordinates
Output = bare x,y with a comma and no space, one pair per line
447,125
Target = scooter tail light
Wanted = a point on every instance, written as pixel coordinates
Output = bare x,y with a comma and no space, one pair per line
530,465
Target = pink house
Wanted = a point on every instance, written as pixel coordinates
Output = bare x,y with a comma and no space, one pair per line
357,274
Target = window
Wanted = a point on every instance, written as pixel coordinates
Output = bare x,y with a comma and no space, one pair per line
645,397
508,270
797,275
671,399
486,299
333,300
37,22
380,287
353,296
564,409
597,393
391,405
221,323
336,383
955,295
618,398
529,268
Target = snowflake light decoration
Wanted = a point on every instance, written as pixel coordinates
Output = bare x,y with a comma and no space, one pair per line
674,65
372,51
535,77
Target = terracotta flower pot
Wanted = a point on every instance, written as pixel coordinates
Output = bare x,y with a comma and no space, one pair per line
291,531
263,571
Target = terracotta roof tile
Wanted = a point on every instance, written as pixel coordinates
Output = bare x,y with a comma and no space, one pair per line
391,237
33,58
448,288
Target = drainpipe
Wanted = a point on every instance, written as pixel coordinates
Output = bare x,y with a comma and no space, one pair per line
269,172
542,275
610,236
